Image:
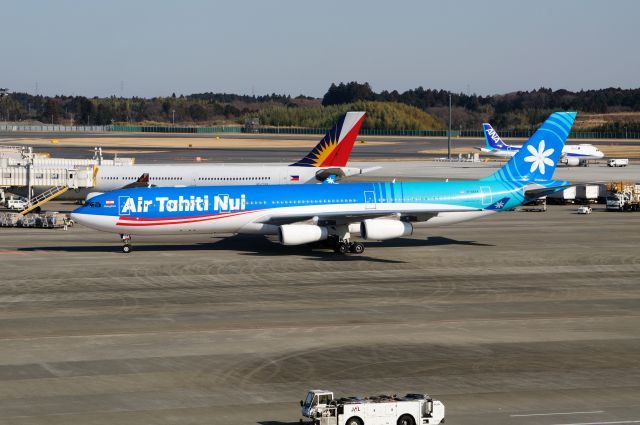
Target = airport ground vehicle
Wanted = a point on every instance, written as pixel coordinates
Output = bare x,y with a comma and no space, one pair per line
587,193
413,409
584,209
623,196
567,196
618,162
16,203
50,219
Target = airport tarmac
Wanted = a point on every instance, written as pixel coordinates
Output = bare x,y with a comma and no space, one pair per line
163,148
520,318
442,170
404,158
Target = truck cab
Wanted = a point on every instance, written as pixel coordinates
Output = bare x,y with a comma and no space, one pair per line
316,402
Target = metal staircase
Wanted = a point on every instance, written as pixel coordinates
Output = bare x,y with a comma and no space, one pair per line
43,198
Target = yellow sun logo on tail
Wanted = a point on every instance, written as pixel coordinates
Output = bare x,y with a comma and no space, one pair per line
322,152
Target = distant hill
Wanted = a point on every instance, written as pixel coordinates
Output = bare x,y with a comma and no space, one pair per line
380,115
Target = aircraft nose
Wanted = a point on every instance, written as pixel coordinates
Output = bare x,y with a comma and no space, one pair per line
76,217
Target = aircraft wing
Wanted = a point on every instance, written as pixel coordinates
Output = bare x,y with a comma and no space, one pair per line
353,217
345,218
369,169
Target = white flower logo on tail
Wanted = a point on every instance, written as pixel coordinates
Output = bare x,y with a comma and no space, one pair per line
539,157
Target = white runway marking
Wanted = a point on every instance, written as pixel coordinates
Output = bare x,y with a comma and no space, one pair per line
557,413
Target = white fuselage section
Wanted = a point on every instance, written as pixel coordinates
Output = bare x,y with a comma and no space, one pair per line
114,177
583,152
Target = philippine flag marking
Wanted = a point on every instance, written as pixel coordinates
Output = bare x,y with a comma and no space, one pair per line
295,178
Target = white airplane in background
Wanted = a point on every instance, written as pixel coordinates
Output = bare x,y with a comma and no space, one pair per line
572,155
327,159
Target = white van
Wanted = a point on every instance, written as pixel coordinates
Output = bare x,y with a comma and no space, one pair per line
16,203
618,162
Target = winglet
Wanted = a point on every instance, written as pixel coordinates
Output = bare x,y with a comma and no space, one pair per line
335,147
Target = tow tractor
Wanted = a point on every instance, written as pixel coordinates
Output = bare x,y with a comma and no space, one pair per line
320,408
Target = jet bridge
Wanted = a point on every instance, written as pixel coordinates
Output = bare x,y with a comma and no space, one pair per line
40,178
45,183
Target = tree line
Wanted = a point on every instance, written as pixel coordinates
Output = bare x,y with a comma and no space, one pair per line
518,110
200,108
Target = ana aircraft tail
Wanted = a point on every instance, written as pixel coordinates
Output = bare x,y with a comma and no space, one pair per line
492,139
335,147
537,159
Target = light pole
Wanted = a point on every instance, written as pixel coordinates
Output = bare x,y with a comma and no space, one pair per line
449,132
173,117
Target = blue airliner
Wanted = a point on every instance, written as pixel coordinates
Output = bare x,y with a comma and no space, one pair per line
333,212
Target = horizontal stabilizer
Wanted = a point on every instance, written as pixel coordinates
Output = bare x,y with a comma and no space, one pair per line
554,187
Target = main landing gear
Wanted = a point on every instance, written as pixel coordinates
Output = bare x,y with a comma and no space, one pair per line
126,240
344,246
340,240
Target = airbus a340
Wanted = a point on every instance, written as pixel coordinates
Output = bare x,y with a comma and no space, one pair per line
302,214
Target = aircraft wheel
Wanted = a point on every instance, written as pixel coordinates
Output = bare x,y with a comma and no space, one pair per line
357,248
126,248
341,248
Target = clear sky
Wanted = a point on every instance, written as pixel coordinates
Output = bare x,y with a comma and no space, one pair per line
155,47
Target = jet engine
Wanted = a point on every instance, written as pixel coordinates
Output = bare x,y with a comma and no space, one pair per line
381,229
299,234
572,161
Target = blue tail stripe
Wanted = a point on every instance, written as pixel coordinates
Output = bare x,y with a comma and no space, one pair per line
563,131
568,122
558,121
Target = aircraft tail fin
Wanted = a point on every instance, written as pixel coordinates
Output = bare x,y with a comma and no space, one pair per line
335,147
143,181
537,159
492,139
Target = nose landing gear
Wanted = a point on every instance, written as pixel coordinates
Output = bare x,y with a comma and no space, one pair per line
126,240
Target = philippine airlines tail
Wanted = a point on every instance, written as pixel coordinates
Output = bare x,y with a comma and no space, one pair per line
335,147
536,161
492,139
